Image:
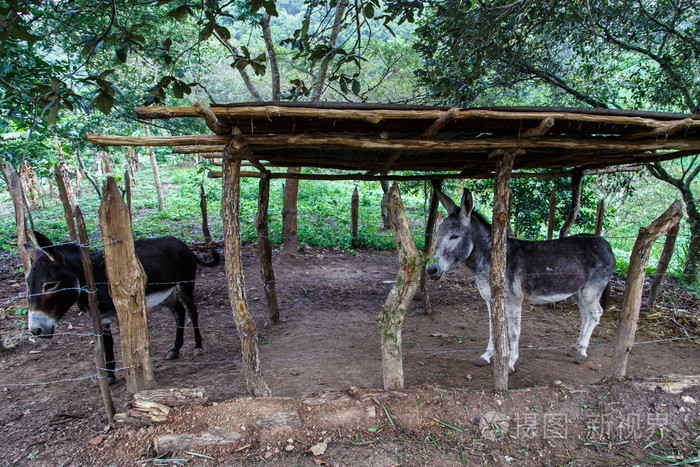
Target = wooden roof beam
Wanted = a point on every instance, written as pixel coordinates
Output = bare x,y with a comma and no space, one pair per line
210,119
662,131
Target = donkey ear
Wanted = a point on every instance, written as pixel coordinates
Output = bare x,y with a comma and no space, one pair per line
446,202
48,247
467,204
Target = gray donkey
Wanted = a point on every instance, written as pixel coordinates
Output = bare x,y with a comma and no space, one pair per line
536,272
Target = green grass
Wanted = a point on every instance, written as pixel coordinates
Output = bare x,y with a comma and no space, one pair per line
323,215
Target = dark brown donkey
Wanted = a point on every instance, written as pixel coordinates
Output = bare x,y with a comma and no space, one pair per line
56,282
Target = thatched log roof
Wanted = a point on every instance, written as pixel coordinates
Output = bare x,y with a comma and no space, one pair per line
371,139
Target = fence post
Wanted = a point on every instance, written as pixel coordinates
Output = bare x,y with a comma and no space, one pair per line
430,231
205,215
127,282
401,293
599,215
65,199
576,184
265,247
354,215
632,299
93,305
665,258
230,202
497,276
552,212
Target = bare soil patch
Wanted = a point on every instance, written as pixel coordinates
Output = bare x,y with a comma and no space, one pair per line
326,343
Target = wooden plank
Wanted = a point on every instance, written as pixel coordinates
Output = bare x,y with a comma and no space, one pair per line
247,332
632,299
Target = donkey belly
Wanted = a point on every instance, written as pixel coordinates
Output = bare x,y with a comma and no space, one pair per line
539,299
158,297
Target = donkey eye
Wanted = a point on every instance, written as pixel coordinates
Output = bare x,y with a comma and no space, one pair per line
49,286
454,237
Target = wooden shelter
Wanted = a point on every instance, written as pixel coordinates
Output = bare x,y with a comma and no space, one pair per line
372,141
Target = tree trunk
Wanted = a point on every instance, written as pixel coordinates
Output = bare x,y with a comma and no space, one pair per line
318,88
94,307
402,292
156,173
385,215
14,186
63,188
576,183
552,212
632,299
87,174
289,214
230,203
265,248
205,216
127,283
665,258
430,236
497,277
354,216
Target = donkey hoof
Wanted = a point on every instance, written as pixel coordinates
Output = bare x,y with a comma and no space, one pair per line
572,352
199,351
111,380
481,361
578,358
173,355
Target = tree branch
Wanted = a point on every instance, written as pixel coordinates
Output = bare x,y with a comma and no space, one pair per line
244,74
272,56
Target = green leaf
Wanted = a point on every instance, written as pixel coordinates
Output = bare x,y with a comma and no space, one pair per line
104,102
356,86
369,11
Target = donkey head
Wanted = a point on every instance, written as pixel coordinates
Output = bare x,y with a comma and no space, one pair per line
454,241
53,287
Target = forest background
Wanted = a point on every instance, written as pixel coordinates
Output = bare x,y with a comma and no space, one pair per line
78,66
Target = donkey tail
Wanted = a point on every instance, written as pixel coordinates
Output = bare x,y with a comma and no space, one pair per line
605,298
215,258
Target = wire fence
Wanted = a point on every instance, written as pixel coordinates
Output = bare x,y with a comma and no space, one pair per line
374,356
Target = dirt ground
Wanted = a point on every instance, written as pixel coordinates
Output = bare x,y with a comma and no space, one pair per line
322,363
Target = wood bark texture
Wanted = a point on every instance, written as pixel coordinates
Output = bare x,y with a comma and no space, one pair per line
576,184
62,183
265,249
662,267
499,239
354,215
94,308
205,216
599,217
127,283
290,243
401,293
632,298
230,202
430,237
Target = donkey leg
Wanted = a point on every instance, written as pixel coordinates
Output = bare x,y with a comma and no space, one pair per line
590,317
109,354
186,295
179,314
485,358
513,315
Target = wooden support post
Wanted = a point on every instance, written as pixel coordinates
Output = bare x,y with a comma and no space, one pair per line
402,292
93,305
354,215
576,183
205,215
265,248
499,239
552,212
127,284
430,235
632,299
599,215
230,202
665,258
14,186
62,183
290,194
